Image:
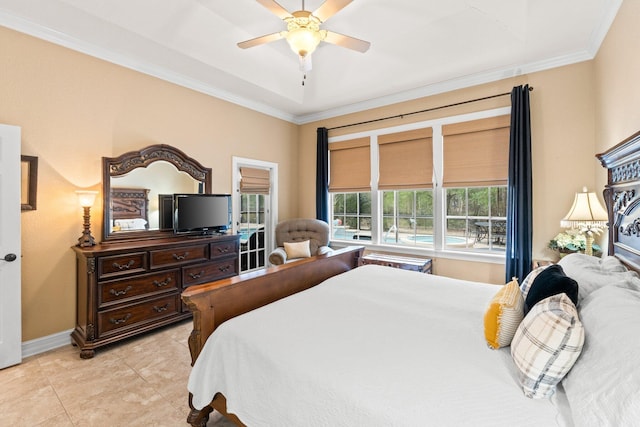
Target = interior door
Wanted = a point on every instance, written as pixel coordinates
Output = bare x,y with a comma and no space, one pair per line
10,195
255,210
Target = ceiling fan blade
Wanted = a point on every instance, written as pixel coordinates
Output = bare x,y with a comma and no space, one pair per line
261,40
346,41
275,8
330,8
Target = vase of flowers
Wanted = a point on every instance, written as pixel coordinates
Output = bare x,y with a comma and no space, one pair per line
571,241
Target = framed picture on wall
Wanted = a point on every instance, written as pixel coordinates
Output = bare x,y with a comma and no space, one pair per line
29,182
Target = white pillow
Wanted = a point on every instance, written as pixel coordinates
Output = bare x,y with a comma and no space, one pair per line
612,264
603,388
297,249
131,224
592,273
546,345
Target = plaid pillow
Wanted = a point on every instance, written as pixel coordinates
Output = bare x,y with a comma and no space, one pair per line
547,344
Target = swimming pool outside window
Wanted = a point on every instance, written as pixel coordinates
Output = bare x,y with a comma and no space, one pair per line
351,216
407,217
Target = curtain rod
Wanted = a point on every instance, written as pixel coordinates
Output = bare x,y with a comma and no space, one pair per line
400,116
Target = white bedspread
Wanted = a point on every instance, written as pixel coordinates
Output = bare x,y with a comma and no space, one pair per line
375,346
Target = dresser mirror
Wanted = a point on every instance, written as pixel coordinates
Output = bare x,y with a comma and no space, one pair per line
135,189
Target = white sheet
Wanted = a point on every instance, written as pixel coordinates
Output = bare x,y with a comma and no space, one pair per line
375,346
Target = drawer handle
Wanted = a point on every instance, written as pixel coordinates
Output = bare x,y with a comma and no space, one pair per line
161,309
120,293
196,275
224,268
180,257
120,321
123,266
223,250
165,282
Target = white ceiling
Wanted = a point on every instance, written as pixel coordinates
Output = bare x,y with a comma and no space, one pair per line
418,47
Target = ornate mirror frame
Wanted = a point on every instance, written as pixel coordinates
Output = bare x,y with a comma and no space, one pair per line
121,165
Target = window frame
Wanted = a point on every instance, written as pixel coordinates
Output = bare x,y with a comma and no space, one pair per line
439,209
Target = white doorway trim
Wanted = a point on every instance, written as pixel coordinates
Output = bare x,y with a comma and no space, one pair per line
237,163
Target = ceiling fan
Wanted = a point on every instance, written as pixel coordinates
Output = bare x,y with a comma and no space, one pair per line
303,30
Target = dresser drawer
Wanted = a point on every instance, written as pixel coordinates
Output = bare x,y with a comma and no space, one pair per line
134,314
137,286
224,248
120,265
179,255
209,272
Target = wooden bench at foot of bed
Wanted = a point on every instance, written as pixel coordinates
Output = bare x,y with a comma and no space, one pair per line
214,303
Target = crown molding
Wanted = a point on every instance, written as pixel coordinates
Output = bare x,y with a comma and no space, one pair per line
40,31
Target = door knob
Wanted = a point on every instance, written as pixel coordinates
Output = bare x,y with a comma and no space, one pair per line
10,257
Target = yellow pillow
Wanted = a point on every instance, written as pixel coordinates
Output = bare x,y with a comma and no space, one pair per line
297,249
503,316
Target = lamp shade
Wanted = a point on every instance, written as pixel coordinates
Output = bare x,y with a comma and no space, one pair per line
303,41
585,212
86,198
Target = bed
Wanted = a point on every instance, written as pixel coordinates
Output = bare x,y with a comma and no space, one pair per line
129,209
320,342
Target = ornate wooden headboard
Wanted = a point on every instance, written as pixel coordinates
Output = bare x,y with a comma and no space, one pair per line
622,196
130,203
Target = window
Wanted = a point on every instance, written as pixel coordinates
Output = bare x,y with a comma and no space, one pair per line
351,216
439,185
251,230
407,217
476,218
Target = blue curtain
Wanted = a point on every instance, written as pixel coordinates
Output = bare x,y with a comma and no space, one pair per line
519,193
322,176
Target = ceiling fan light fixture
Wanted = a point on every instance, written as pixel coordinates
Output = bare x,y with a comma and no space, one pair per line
303,33
303,41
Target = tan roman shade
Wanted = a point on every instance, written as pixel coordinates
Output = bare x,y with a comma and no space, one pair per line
406,160
350,166
476,153
254,181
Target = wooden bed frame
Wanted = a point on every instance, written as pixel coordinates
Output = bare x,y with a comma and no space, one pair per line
130,203
214,303
622,196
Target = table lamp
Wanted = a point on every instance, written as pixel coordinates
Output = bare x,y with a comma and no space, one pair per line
588,215
86,200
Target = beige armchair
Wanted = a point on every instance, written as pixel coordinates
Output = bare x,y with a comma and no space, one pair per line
299,230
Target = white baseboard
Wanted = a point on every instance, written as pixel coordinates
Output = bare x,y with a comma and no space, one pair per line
50,342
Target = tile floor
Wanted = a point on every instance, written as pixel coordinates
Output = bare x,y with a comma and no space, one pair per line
140,382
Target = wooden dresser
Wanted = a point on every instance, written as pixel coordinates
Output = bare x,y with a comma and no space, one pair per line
127,288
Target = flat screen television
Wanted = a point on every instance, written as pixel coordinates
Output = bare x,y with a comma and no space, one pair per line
201,213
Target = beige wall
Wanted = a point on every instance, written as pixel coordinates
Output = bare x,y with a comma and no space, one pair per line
617,87
74,109
562,120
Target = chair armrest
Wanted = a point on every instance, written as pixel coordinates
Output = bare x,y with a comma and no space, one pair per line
324,250
278,256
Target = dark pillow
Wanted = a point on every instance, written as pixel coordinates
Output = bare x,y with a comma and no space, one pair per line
551,281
